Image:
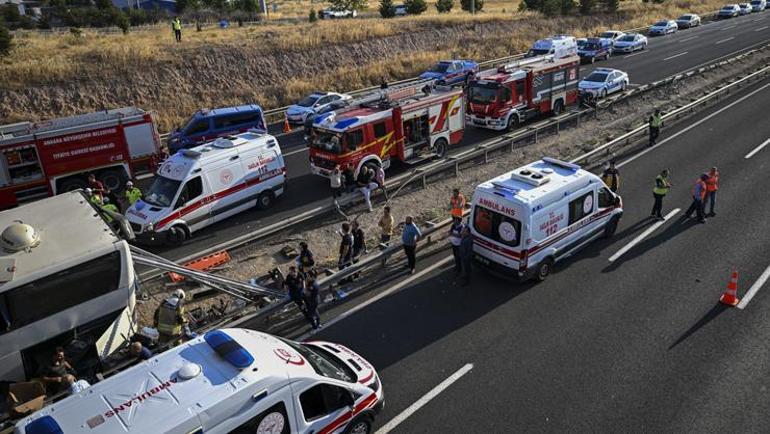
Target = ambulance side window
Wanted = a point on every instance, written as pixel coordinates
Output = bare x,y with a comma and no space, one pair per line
192,189
323,399
581,207
606,198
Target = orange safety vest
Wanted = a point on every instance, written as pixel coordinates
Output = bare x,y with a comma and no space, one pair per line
458,205
699,192
712,184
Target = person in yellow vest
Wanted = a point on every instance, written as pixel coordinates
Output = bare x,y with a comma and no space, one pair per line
457,204
108,206
176,24
611,177
94,197
171,319
132,193
659,191
655,122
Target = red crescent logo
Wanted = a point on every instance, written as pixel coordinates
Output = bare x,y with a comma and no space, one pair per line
294,359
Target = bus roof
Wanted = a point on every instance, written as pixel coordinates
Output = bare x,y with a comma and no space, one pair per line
69,229
168,392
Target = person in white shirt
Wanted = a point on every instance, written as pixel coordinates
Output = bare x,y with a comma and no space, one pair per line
74,385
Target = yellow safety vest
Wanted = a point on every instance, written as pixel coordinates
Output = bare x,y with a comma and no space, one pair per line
133,195
96,199
170,319
110,207
656,121
661,185
177,25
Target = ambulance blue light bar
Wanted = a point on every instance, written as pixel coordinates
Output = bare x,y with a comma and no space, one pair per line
44,425
556,162
229,349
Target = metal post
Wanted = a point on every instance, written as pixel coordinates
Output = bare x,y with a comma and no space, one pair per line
512,145
473,7
536,136
486,156
424,181
457,168
557,127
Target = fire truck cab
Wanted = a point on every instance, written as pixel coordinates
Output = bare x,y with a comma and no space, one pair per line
515,92
409,124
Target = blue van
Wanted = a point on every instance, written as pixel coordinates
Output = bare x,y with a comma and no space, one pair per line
206,125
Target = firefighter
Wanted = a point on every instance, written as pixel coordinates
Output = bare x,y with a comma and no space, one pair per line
655,122
132,193
611,177
659,191
698,195
457,204
170,318
109,206
176,24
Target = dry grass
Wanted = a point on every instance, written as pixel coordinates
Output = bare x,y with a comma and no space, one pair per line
271,64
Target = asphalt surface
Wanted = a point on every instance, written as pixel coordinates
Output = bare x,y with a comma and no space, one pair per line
636,345
662,59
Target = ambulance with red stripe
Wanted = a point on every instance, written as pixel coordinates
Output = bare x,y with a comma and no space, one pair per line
409,124
526,220
197,187
226,381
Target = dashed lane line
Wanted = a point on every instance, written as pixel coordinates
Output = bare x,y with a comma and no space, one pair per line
643,235
724,40
754,288
675,56
729,27
757,149
760,29
688,39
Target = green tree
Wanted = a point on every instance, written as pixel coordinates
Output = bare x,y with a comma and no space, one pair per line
103,4
6,40
550,8
466,5
123,22
415,7
181,6
532,5
312,17
387,9
612,5
566,6
587,6
10,13
444,6
248,6
350,5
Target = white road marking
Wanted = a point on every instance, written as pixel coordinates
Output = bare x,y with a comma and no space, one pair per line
380,296
760,29
675,55
635,54
296,151
393,423
644,234
757,149
677,134
729,27
688,39
754,288
724,40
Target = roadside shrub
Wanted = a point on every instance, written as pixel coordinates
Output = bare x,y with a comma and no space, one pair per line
415,7
567,6
444,6
123,22
387,9
466,5
551,8
6,40
587,6
312,17
612,5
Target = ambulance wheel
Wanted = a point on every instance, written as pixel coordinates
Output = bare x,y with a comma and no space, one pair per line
359,426
611,227
113,180
176,236
440,147
543,269
265,200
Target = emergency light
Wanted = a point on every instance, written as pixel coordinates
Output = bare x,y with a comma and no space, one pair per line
44,425
229,349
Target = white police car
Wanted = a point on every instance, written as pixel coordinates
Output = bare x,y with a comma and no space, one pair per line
602,82
312,104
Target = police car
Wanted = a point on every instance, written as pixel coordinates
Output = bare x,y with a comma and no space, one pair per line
526,220
229,380
602,82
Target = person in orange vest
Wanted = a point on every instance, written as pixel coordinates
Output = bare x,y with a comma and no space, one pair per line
698,195
457,204
712,185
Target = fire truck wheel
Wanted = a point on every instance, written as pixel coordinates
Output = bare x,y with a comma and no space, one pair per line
113,179
265,199
72,184
176,236
440,147
513,123
543,269
359,426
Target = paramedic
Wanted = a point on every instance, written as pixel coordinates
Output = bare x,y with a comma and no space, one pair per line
611,177
659,191
409,239
95,198
655,122
712,185
457,204
132,193
170,318
698,194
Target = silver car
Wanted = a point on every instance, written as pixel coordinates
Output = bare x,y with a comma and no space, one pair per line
688,20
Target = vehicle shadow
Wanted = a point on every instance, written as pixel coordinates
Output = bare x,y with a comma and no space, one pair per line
714,312
596,248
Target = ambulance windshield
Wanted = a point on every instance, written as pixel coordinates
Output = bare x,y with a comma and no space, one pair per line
323,362
162,192
483,93
496,226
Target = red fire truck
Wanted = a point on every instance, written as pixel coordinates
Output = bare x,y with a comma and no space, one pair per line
504,98
410,124
46,158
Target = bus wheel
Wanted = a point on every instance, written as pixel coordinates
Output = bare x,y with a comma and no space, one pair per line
265,199
440,148
359,426
543,269
176,236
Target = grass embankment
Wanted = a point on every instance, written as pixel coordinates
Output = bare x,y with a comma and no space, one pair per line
56,75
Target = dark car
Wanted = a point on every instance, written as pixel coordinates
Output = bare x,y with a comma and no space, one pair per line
206,125
595,48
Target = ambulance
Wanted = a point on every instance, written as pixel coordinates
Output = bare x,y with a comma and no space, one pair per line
226,381
197,187
526,220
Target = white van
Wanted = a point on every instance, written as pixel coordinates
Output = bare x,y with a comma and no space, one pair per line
229,380
525,220
560,46
205,184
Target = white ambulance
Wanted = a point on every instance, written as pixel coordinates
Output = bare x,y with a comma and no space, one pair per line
227,381
205,184
525,220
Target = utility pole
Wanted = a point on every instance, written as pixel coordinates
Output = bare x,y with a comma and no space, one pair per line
473,7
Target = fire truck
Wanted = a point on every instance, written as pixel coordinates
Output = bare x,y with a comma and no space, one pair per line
410,124
47,158
506,97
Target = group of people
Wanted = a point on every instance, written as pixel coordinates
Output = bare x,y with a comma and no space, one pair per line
301,283
107,199
368,180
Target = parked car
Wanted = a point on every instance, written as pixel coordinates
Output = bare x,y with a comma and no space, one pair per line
614,35
629,43
688,20
663,28
602,82
560,46
745,8
449,72
729,11
758,5
334,105
338,13
401,10
595,48
206,125
313,103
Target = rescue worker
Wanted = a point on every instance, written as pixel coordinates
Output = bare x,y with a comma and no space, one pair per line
698,194
457,204
659,191
95,185
176,24
655,122
336,182
611,177
95,198
712,185
171,319
305,260
132,193
109,206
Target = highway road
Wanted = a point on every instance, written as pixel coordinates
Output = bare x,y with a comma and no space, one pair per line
640,344
666,56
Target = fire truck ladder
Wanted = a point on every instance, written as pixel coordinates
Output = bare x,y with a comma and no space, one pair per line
516,64
391,93
229,286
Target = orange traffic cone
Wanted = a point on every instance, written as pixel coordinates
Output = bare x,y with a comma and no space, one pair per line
730,297
286,126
